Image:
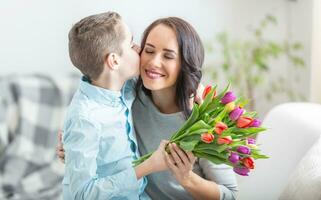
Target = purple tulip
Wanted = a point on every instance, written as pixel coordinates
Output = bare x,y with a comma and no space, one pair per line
243,150
234,158
241,170
256,123
236,113
251,141
228,97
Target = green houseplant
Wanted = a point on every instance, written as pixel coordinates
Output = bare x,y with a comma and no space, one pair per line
246,63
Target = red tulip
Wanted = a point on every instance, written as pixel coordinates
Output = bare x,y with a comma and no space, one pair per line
244,122
207,137
220,127
207,89
248,162
224,140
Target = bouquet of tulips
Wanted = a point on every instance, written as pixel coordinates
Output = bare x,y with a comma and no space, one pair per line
221,131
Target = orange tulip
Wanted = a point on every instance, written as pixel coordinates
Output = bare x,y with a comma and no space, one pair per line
207,137
244,122
220,127
224,140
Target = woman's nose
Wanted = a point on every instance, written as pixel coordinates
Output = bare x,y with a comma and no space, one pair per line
156,60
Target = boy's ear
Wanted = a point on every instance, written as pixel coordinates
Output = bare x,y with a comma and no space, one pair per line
112,61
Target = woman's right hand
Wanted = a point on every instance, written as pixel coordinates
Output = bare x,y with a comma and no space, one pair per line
60,148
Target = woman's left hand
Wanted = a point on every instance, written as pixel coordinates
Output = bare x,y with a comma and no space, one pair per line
180,163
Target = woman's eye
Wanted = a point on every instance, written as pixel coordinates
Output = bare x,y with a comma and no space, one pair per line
148,51
169,56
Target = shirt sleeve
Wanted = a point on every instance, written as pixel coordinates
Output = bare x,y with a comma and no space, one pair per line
81,143
223,176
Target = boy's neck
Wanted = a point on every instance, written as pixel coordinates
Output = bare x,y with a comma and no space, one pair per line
111,82
164,100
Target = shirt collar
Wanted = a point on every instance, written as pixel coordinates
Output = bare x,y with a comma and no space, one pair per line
101,95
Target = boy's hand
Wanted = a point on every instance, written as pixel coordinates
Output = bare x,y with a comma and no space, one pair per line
155,163
157,160
60,148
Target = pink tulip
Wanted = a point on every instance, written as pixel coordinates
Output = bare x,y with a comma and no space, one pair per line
228,97
236,113
241,170
256,123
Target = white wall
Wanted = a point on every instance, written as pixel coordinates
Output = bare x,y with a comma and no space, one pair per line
34,32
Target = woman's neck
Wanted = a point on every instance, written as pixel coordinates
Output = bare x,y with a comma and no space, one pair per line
164,100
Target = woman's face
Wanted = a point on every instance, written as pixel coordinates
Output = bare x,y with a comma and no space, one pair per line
160,59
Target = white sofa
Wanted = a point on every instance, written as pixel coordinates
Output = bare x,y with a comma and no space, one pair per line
293,133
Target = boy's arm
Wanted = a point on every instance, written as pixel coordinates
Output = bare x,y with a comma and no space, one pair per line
81,143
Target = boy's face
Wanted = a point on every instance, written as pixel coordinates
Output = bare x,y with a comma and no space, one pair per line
130,58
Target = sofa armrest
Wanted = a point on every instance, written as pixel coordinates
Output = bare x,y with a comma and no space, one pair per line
8,113
292,129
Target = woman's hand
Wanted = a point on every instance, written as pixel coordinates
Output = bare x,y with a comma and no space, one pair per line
60,148
180,163
198,96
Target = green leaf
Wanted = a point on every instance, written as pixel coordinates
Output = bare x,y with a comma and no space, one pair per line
237,143
241,102
271,18
213,146
297,46
188,145
226,89
259,156
192,118
213,159
247,130
250,114
220,116
199,127
222,155
297,61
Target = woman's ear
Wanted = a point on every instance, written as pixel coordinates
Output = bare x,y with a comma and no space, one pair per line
112,61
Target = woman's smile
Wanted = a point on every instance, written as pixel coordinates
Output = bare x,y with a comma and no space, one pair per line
153,74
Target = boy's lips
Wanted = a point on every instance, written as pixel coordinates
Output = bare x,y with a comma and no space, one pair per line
152,74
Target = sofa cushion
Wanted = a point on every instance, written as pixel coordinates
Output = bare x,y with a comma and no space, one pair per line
33,109
305,181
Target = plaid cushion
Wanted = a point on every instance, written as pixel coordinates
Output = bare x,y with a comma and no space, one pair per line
31,113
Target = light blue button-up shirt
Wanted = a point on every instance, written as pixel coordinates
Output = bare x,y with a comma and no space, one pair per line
100,145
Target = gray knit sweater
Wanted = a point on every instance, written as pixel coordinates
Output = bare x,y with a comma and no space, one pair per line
151,127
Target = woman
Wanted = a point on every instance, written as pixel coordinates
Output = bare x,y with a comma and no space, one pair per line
171,59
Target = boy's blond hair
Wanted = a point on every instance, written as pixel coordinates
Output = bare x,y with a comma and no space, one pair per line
92,39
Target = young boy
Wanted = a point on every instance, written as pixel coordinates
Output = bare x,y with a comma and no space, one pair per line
98,131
